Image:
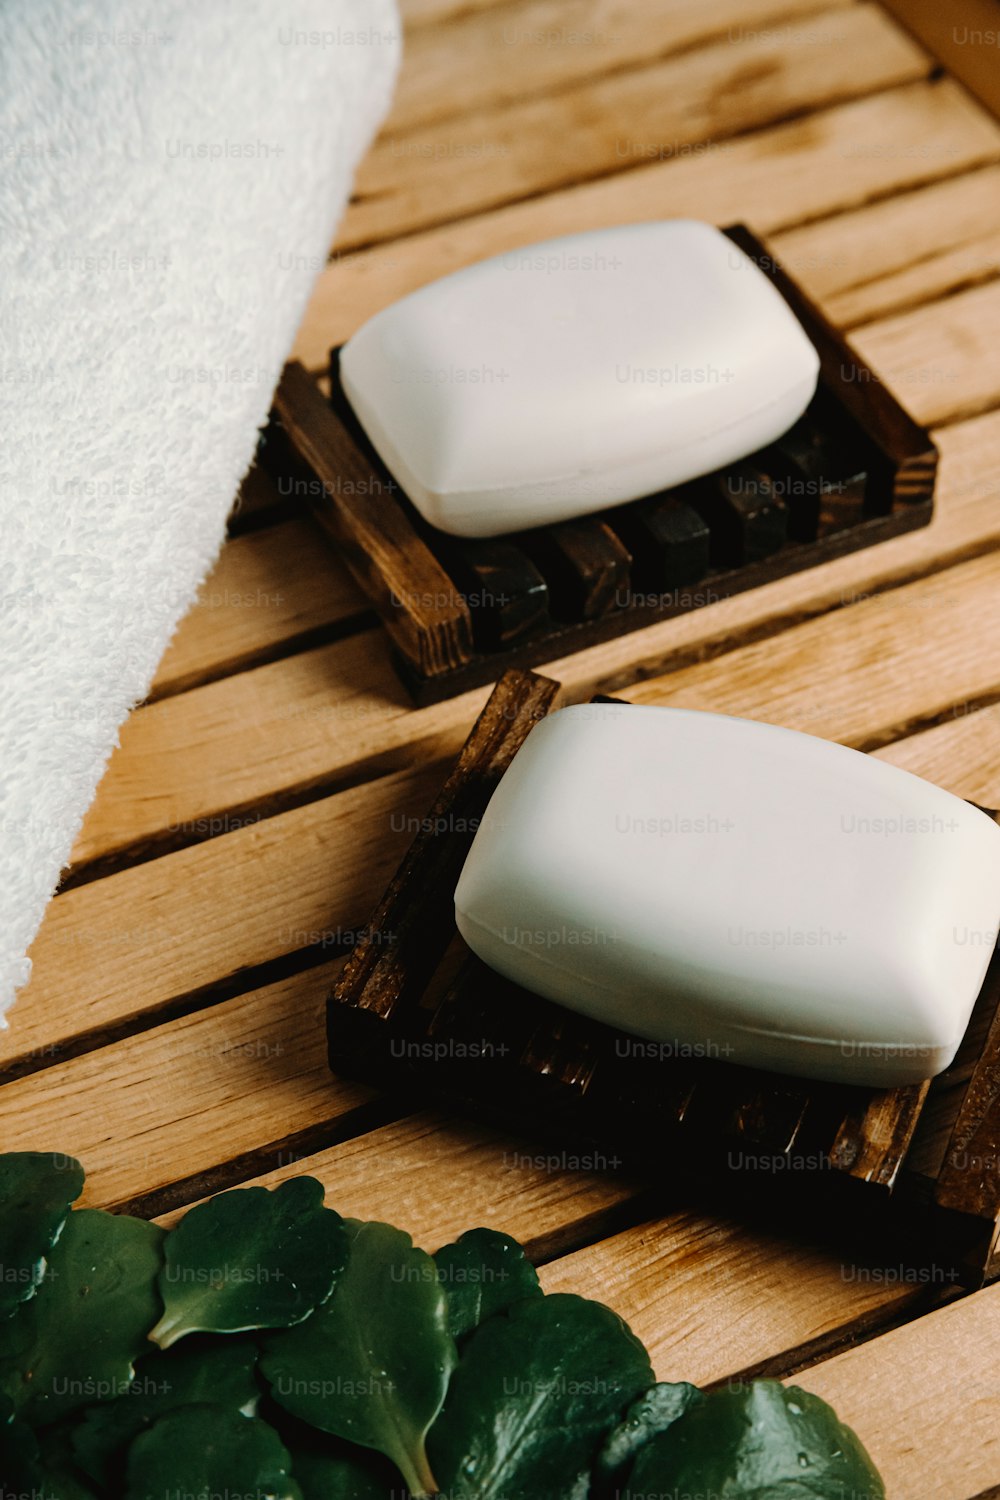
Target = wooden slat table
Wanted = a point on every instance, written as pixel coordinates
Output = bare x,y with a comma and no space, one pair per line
172,1033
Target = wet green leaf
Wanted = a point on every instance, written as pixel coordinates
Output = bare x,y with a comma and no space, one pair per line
372,1364
218,1371
203,1451
537,1390
764,1441
483,1272
653,1412
36,1190
250,1258
76,1341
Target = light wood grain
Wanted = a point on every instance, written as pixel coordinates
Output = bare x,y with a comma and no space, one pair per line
917,650
941,361
512,52
775,178
120,948
709,1297
963,754
925,1400
440,172
311,718
437,1176
277,566
268,589
964,37
424,12
176,1100
899,253
287,727
307,878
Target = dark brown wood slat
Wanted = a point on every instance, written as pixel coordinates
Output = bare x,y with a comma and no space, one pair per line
587,566
668,540
969,1178
425,617
504,592
746,515
872,1141
406,937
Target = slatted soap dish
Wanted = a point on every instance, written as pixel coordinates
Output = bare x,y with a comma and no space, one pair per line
855,470
416,1013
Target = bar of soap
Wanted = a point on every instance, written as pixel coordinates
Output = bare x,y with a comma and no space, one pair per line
730,889
576,374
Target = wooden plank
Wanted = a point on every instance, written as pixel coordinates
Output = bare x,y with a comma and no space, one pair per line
291,727
437,173
269,592
941,360
118,950
211,639
709,1295
965,37
339,710
230,1081
807,678
925,1399
786,175
677,1280
511,53
900,252
972,772
426,12
193,921
437,1176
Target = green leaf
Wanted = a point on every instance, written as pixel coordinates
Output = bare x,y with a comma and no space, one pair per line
327,1468
372,1364
250,1259
36,1190
483,1273
764,1441
219,1371
25,1472
205,1450
535,1393
654,1411
20,1466
77,1340
62,1478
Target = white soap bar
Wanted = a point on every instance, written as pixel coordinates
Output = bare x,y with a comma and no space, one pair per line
731,889
577,374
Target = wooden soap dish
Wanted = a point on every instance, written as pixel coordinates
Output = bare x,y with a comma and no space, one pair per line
415,1012
854,470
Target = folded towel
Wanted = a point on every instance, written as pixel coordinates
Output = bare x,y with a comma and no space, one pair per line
173,171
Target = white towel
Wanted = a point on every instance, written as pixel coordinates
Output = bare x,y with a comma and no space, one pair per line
171,174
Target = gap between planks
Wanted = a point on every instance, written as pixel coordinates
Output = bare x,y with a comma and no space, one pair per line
789,177
608,127
204,762
511,54
206,918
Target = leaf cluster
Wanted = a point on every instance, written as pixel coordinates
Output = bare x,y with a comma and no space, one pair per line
267,1347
